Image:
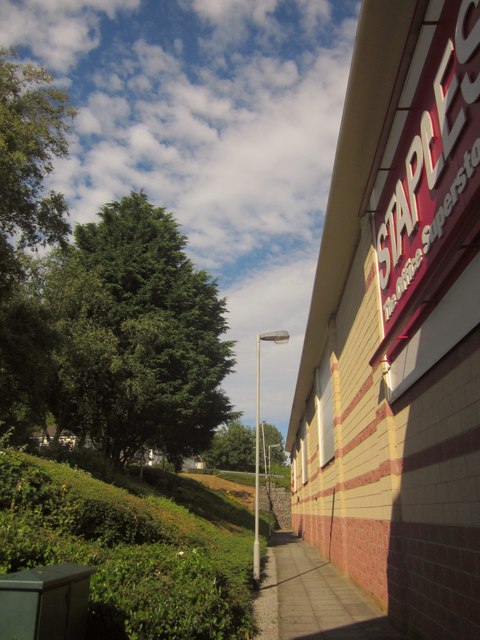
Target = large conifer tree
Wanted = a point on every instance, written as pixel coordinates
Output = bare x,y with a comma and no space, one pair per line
169,322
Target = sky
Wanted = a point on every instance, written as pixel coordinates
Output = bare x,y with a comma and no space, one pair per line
226,113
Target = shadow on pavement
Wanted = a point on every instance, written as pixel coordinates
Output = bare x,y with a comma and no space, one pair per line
377,629
325,606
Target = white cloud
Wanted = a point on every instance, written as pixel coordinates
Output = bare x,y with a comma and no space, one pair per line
241,160
109,113
57,31
275,165
87,123
111,82
267,301
155,62
314,13
230,21
110,7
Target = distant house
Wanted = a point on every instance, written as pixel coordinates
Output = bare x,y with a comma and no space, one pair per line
384,431
193,463
47,435
145,457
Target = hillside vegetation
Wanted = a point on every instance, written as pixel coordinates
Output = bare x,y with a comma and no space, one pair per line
172,559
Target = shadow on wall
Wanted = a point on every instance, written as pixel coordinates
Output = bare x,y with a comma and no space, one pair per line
433,569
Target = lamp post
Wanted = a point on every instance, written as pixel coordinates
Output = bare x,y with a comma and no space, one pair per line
270,447
279,337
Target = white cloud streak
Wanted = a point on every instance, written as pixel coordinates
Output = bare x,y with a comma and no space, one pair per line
57,31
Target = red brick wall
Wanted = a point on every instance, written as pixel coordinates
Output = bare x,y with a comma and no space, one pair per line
434,580
357,547
427,576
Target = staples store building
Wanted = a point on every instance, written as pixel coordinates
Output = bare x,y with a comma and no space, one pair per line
384,432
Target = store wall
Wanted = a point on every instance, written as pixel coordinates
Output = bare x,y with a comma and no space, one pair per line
345,508
397,509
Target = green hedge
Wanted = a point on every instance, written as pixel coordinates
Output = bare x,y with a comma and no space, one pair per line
161,572
26,543
156,591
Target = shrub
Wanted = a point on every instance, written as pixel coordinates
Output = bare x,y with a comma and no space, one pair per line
25,543
157,591
73,502
105,513
23,486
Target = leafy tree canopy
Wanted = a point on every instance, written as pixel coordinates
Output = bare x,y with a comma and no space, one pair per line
85,353
233,447
272,436
34,122
26,367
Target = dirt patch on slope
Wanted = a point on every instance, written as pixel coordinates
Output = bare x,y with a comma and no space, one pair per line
240,492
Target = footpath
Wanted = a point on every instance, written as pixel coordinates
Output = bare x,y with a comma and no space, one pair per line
304,597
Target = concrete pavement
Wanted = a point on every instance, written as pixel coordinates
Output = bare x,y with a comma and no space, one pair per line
314,601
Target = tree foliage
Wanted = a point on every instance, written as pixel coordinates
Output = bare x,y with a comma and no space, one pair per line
85,354
142,354
26,368
234,444
272,436
233,448
34,122
120,336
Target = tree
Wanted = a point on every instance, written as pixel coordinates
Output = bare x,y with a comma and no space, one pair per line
26,367
85,354
168,321
233,447
273,436
34,123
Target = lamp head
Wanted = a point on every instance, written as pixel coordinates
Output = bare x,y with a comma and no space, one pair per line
279,337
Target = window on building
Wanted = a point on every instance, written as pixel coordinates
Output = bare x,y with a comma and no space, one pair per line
304,451
326,437
294,468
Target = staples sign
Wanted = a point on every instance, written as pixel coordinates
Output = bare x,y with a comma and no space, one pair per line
436,172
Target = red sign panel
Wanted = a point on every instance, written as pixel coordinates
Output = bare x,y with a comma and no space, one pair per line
436,168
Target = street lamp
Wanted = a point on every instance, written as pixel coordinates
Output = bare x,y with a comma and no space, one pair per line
279,337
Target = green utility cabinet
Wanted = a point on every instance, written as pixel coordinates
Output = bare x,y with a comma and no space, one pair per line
45,603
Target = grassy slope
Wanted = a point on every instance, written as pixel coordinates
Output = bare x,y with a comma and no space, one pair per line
280,477
173,558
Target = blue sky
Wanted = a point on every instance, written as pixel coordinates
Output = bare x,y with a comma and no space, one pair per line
226,112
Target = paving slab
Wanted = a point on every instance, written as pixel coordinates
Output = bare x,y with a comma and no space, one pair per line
314,601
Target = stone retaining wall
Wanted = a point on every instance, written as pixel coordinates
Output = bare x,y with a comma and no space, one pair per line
281,506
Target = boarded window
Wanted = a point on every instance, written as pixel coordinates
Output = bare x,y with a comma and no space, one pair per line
304,451
294,469
325,412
